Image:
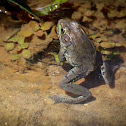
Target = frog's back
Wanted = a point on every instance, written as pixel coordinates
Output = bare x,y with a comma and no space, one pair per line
84,51
87,51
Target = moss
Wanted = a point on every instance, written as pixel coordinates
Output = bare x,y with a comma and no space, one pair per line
9,46
47,25
20,40
106,52
107,44
53,33
25,31
24,45
34,25
116,53
89,13
85,18
26,54
98,40
119,44
94,36
15,57
39,33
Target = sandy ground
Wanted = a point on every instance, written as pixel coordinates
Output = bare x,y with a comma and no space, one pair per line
24,100
24,96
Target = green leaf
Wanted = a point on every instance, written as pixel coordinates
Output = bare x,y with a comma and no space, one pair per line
57,59
60,1
23,5
49,8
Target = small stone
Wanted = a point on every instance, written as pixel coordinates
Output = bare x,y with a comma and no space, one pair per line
85,104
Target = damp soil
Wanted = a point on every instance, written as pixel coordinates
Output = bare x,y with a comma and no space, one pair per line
25,90
24,99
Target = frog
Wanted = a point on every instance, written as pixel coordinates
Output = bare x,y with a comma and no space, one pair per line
80,53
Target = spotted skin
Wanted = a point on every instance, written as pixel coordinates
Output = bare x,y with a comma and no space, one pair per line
79,51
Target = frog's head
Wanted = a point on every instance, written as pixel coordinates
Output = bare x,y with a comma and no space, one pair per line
68,31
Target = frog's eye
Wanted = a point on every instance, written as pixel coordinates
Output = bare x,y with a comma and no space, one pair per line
62,31
66,30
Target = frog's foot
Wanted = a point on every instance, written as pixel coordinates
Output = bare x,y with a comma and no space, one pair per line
70,100
58,99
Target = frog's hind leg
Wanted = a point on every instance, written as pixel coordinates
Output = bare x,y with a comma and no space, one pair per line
67,84
107,73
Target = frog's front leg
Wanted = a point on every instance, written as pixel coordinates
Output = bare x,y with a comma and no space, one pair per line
61,56
67,84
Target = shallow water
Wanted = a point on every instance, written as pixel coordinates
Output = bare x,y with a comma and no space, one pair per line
25,91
